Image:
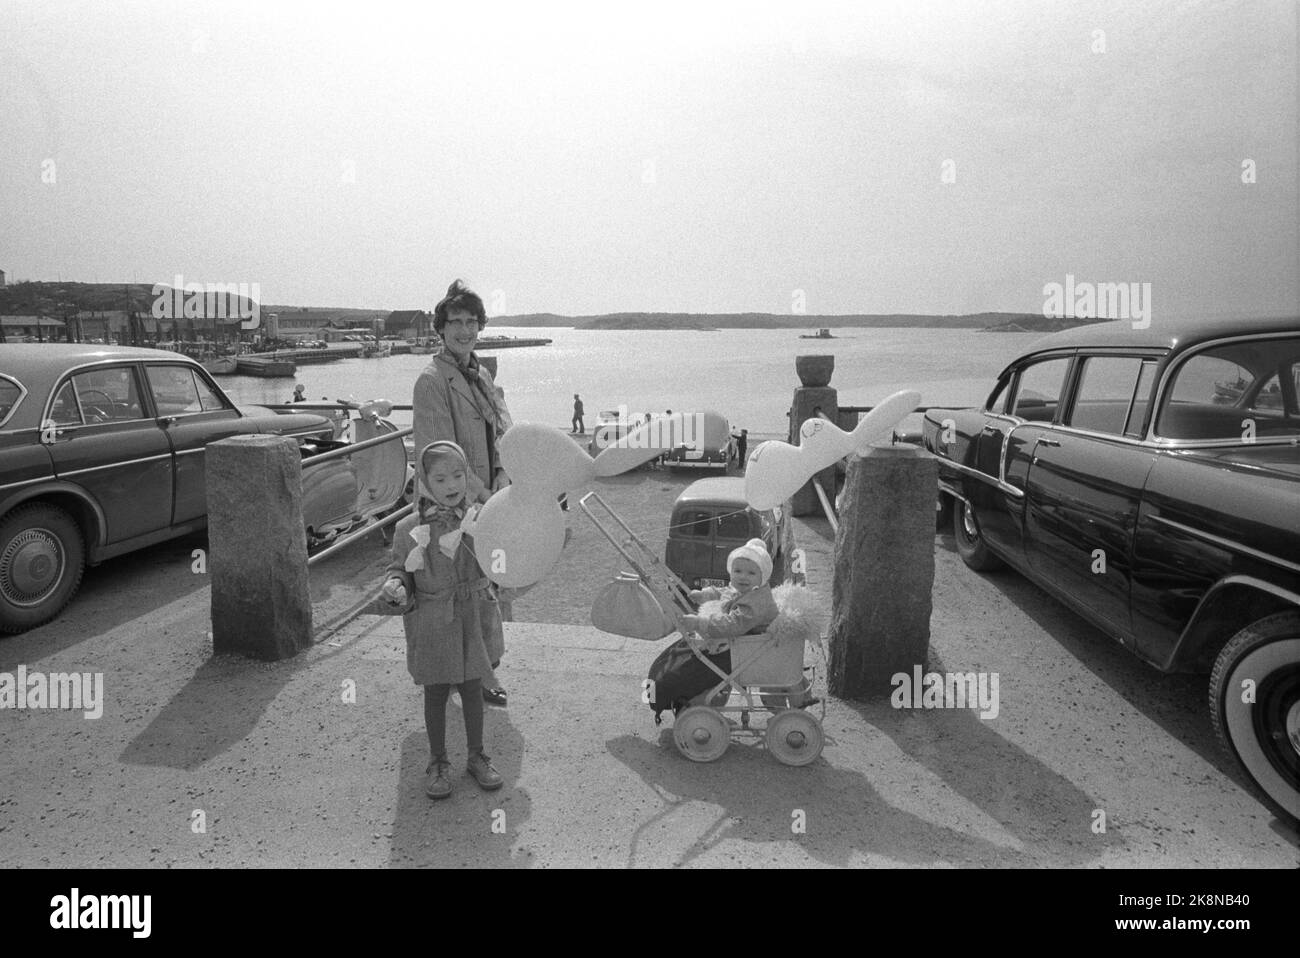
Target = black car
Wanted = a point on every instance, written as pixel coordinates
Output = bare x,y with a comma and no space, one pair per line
102,453
1150,480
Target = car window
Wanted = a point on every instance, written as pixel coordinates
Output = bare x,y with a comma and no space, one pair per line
1238,391
1104,394
1141,400
209,398
997,402
108,394
695,524
1038,391
174,392
734,526
10,393
64,411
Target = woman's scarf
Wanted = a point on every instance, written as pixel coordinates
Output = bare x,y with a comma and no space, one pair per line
483,393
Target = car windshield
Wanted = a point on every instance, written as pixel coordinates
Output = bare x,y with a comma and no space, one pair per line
1239,391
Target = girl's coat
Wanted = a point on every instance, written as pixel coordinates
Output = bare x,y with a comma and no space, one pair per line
453,626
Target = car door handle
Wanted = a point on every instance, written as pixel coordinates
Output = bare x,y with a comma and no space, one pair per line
990,429
1049,442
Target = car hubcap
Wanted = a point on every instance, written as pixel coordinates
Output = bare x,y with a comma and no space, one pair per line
968,521
31,567
796,740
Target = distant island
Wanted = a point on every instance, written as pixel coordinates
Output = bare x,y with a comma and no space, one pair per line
62,298
992,322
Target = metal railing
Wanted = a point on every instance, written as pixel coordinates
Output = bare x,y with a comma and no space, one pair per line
342,452
351,447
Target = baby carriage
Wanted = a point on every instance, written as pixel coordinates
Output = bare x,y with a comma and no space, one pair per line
767,678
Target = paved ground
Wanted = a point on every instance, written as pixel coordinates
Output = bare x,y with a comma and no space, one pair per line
285,772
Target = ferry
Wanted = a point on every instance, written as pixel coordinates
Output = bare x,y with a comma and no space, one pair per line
820,334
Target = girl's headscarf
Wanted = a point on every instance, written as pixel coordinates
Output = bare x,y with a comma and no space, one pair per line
427,507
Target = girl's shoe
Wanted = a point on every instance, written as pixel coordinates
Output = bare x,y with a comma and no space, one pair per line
437,780
488,778
494,696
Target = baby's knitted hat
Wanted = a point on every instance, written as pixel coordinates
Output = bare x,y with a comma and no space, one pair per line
756,552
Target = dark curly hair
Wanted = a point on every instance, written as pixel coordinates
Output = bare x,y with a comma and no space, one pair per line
459,296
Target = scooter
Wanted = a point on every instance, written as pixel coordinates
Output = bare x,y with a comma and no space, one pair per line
344,494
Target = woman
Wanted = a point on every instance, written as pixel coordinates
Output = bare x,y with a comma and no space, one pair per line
455,399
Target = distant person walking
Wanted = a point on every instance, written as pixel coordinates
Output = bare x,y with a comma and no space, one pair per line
299,393
578,426
741,445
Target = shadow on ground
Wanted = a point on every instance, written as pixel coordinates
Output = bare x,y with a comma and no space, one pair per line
1045,817
458,831
222,702
1177,702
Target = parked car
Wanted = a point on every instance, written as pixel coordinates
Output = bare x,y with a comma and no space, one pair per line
710,518
707,444
1150,480
102,453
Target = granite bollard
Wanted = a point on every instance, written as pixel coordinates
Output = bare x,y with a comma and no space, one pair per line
807,400
261,605
884,570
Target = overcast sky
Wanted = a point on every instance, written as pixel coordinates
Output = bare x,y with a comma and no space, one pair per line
667,157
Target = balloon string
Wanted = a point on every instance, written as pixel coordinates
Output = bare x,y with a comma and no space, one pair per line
682,525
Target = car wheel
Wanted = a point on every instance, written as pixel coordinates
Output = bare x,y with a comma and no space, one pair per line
42,557
943,509
970,544
1255,707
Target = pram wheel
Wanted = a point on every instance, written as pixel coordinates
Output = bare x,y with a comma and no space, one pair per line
794,737
701,734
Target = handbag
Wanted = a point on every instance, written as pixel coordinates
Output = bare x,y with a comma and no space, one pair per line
627,607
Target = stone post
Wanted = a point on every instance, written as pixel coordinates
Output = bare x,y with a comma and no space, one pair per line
814,393
257,548
884,570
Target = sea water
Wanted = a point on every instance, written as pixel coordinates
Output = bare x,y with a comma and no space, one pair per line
748,375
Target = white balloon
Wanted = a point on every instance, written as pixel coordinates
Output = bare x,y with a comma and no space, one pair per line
776,470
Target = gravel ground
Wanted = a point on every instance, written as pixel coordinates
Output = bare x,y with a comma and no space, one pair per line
282,771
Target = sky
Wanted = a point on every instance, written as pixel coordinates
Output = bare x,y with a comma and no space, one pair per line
879,157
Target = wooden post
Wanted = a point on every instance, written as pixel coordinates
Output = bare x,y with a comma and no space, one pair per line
884,570
261,606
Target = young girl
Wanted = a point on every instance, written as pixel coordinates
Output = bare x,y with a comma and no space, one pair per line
453,625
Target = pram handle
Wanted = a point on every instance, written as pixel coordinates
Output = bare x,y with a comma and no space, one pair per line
676,589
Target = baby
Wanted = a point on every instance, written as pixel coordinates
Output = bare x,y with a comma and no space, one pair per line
747,603
677,675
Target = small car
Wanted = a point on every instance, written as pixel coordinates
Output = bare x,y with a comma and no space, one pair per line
710,518
1149,479
707,442
102,453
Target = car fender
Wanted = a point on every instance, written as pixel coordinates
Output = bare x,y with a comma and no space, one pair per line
89,515
1227,607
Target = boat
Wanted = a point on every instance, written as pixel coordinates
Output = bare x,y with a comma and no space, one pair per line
820,334
508,342
1226,394
253,366
221,365
376,350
